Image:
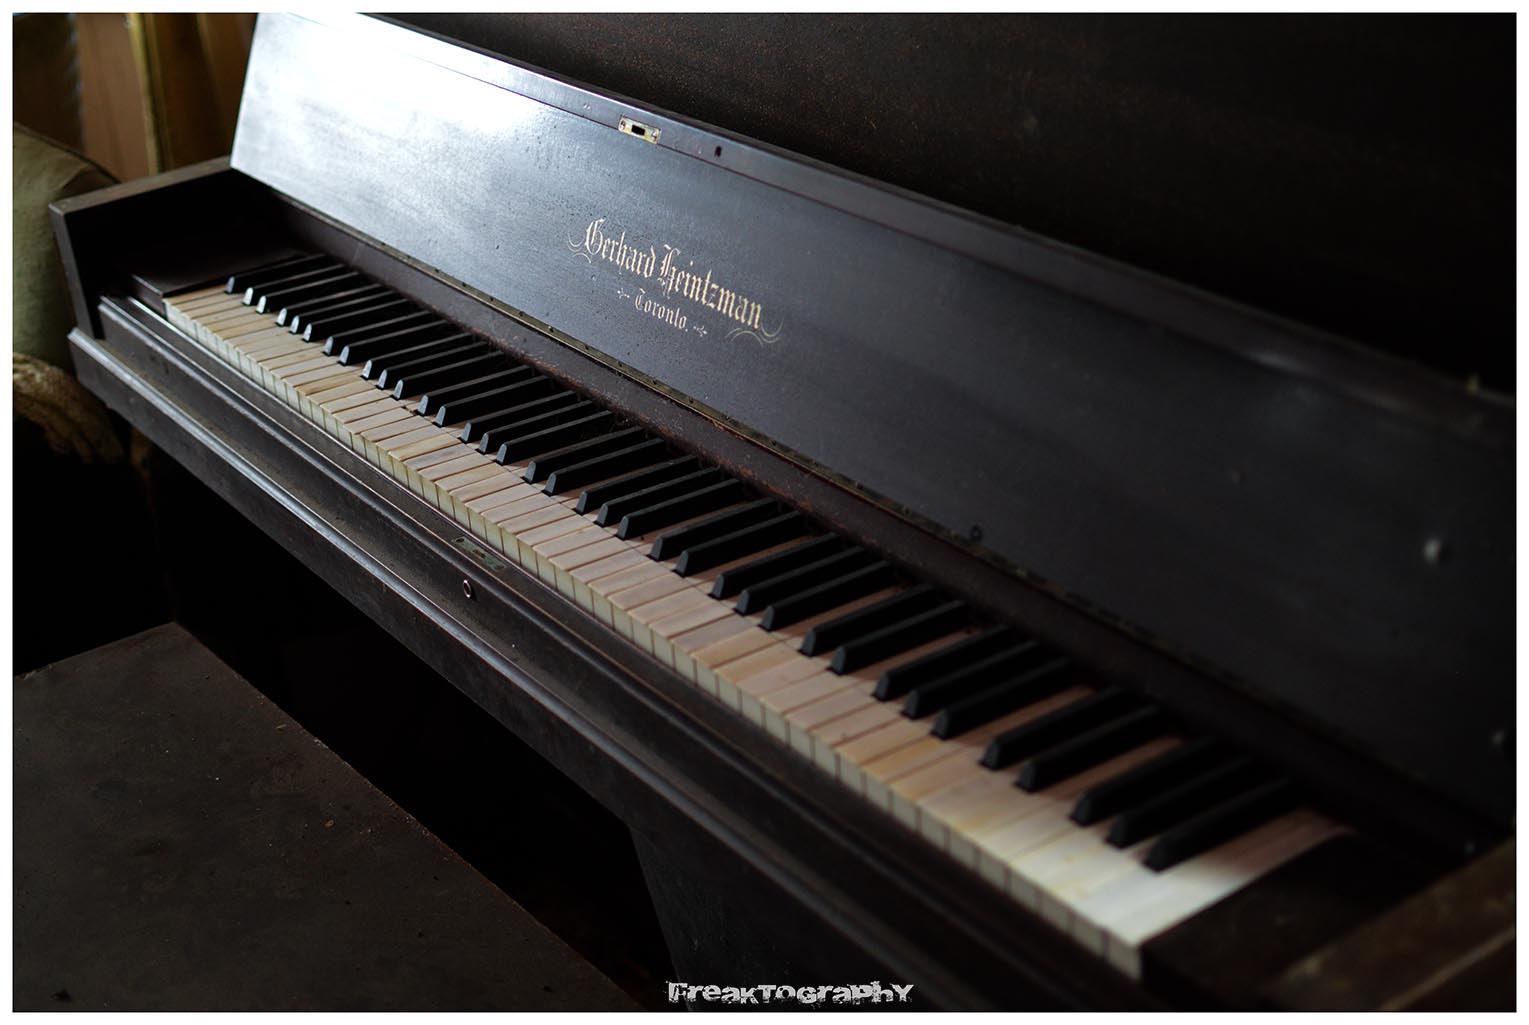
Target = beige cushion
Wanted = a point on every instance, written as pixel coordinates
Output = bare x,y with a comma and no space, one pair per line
41,313
73,422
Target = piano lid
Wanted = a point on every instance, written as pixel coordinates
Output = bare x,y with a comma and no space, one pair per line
1328,530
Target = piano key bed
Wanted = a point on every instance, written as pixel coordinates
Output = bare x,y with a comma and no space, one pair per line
1082,801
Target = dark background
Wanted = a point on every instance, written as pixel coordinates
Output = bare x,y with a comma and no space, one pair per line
1352,172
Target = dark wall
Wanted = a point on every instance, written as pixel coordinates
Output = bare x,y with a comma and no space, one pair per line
1352,172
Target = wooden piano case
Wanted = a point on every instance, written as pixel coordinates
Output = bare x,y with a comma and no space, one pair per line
1132,470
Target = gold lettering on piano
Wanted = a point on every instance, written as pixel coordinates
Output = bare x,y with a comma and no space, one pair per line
672,280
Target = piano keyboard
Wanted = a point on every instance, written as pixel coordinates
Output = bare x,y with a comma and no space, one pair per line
1083,802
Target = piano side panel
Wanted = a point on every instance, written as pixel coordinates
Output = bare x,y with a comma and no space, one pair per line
1347,562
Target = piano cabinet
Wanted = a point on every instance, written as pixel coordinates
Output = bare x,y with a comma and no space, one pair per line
777,846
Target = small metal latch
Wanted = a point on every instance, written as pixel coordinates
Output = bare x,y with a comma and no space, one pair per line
639,129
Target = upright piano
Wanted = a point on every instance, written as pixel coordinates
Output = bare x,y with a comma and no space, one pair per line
937,603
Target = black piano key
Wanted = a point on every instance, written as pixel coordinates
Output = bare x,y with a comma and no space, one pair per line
278,297
928,698
476,364
829,635
240,282
531,445
388,314
333,334
516,403
295,315
479,411
546,413
385,370
367,346
896,638
755,538
545,466
338,288
1000,699
1167,770
594,498
735,580
1055,727
496,381
1092,748
671,543
854,584
1227,820
356,291
254,293
648,452
635,491
899,680
667,513
795,579
416,355
1183,802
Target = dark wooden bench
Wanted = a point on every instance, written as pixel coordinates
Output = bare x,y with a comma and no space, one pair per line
181,843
